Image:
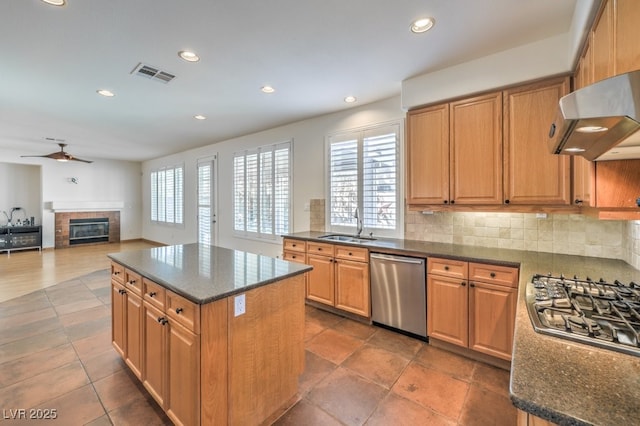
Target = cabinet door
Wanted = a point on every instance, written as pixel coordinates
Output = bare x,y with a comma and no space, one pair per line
428,156
118,317
627,17
492,312
183,385
134,334
476,150
352,287
320,282
602,44
447,310
582,181
154,342
532,175
617,183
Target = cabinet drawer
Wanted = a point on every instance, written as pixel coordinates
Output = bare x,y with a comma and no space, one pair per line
494,274
294,256
294,245
117,272
154,293
320,248
133,281
352,253
183,311
447,267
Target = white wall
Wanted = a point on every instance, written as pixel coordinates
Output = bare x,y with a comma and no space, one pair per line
20,188
308,173
102,180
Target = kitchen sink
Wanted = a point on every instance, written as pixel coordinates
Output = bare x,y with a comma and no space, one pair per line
346,238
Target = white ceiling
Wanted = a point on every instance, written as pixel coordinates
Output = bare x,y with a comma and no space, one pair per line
313,52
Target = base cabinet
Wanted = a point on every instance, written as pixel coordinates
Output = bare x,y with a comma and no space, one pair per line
183,380
527,419
472,305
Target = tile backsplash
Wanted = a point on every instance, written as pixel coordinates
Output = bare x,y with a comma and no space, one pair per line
632,243
557,233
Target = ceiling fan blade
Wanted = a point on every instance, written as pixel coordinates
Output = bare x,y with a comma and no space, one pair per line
35,156
71,157
60,155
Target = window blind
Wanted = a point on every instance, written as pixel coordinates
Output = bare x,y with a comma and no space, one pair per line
167,195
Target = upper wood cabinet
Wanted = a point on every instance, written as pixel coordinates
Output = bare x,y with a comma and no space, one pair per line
602,44
428,155
617,184
476,150
627,34
531,174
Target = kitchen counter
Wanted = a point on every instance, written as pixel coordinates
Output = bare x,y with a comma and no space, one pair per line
558,380
203,273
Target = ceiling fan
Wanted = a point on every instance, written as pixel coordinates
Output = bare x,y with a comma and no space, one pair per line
60,155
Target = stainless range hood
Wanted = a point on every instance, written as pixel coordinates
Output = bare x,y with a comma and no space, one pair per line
601,121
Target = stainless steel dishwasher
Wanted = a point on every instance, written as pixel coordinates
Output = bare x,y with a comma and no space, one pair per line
398,293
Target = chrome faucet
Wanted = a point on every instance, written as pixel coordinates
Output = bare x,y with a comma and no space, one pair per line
356,214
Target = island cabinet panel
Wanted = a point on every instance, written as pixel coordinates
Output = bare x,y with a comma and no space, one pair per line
476,150
118,317
154,349
133,356
183,399
428,155
532,175
213,377
259,367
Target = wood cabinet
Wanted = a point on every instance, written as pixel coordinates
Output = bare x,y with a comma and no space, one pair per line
126,317
531,174
476,150
528,419
340,277
627,34
428,156
602,44
472,305
183,378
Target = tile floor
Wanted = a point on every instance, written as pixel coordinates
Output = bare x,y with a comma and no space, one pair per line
55,353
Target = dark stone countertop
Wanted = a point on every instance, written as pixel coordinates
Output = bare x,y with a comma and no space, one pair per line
203,273
565,382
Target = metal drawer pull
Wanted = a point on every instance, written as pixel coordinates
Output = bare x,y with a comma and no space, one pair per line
179,310
152,294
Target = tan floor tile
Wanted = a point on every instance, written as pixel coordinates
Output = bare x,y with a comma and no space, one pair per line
447,362
35,363
484,407
23,347
376,364
88,328
85,315
119,389
316,368
139,411
94,345
27,317
103,365
492,378
100,421
28,303
397,411
78,306
347,396
432,389
36,328
326,319
333,346
45,386
396,342
355,328
74,408
312,329
65,295
305,413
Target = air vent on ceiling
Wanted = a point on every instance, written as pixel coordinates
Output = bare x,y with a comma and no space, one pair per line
152,73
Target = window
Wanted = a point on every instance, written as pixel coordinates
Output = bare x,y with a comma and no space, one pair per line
364,174
167,195
262,188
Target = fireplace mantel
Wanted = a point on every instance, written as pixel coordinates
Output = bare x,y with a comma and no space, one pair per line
86,206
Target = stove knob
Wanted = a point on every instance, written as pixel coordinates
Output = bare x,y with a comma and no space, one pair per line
575,277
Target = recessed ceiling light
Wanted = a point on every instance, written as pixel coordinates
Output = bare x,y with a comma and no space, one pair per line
55,2
199,117
422,25
591,129
105,93
268,89
189,56
350,99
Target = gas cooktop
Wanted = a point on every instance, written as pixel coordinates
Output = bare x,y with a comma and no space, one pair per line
598,313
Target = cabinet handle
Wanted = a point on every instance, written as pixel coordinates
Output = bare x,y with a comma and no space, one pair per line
152,294
577,201
163,320
446,267
132,282
293,257
446,201
472,285
179,310
463,284
350,254
492,275
506,201
116,273
293,245
121,291
453,201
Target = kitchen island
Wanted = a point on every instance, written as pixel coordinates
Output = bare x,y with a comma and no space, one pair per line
558,380
215,335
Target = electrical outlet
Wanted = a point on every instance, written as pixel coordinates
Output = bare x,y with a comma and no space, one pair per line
240,306
541,215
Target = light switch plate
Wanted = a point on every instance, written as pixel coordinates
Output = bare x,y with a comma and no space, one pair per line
240,306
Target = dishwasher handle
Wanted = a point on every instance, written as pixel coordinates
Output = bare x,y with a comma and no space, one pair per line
400,259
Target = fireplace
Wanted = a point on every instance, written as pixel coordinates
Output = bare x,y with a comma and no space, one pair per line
75,229
87,231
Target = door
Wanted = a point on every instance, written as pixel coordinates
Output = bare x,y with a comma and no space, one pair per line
134,334
183,399
352,287
155,352
492,312
207,216
447,310
118,317
320,282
